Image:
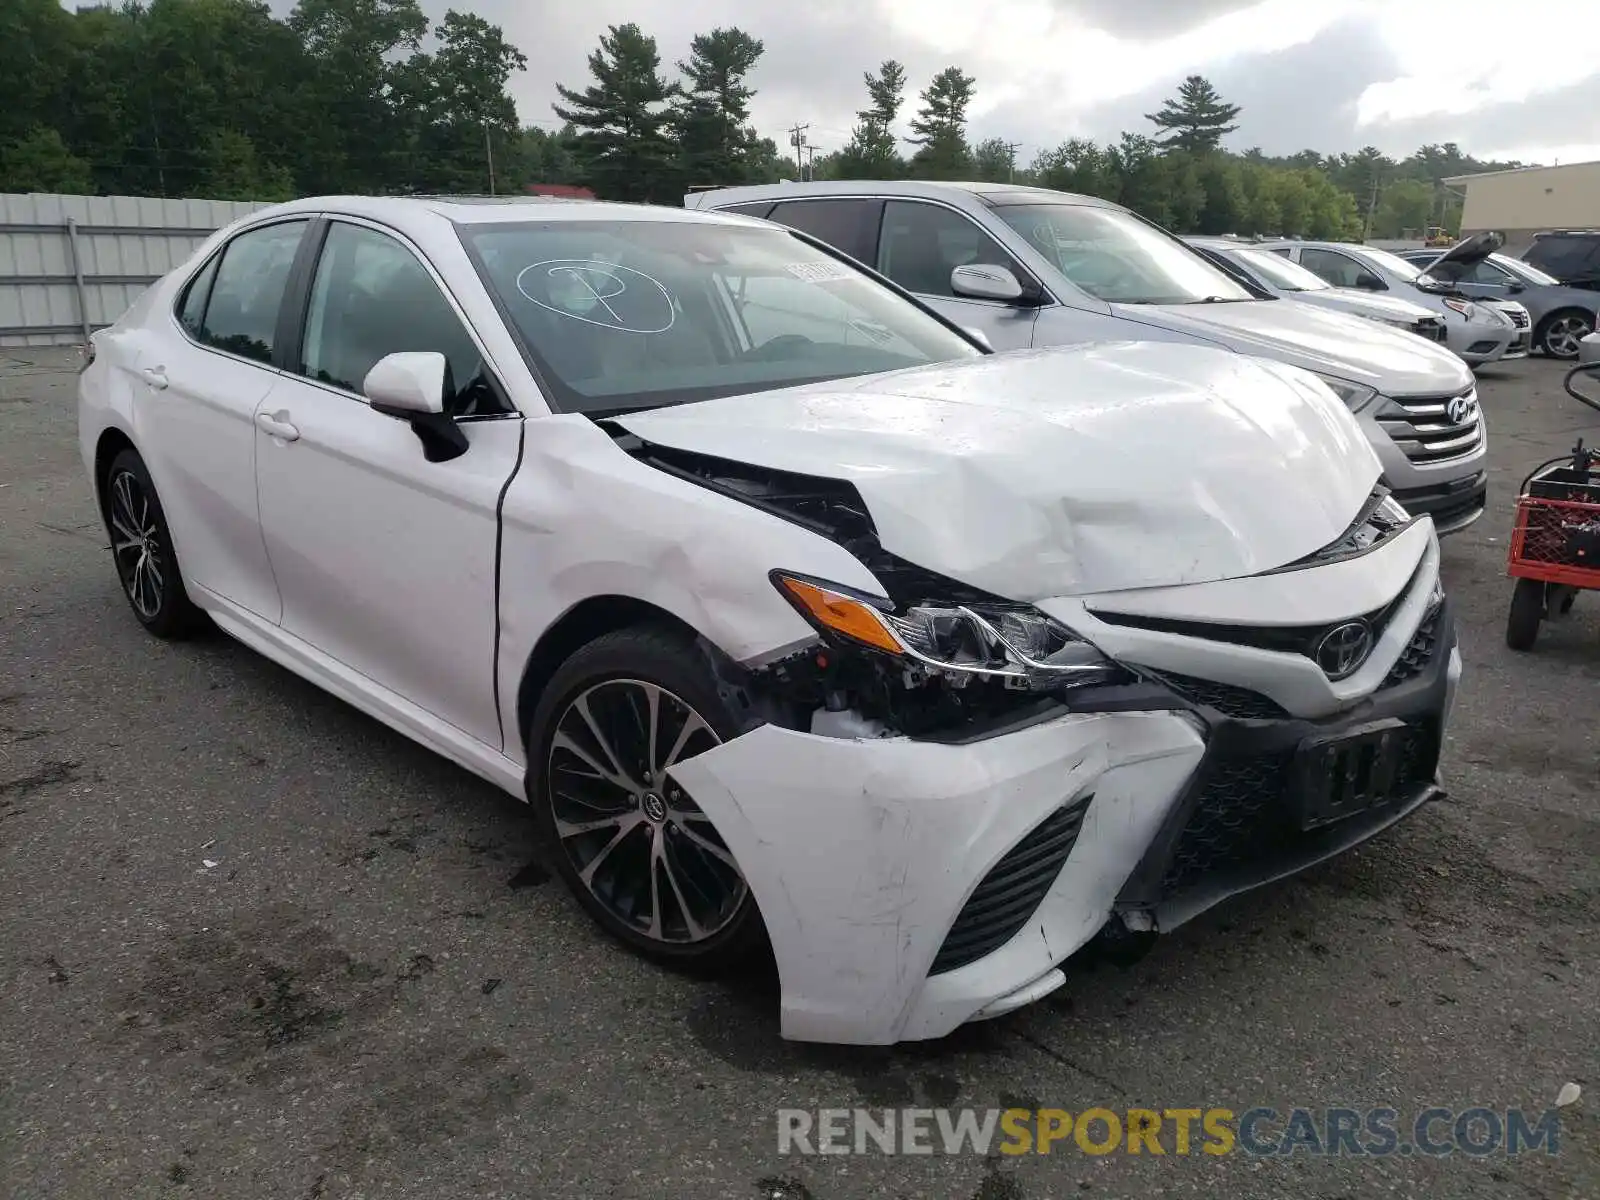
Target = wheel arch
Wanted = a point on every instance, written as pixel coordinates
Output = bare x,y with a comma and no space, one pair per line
111,442
581,624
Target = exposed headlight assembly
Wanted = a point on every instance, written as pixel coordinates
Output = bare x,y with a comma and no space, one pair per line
1355,395
1016,645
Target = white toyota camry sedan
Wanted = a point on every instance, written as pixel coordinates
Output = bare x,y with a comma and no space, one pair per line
806,626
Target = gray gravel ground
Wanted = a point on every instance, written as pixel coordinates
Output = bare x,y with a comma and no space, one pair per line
357,1001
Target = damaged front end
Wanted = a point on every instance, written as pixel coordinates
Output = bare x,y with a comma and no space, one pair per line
931,658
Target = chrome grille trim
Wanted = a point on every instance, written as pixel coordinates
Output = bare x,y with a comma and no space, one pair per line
1420,426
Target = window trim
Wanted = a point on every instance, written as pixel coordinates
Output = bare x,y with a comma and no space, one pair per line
302,279
218,255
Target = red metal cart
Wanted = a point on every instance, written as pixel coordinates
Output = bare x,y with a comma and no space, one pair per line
1555,545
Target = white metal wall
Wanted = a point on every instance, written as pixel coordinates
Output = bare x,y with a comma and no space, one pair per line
123,244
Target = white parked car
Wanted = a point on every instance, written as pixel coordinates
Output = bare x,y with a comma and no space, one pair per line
1275,274
1480,331
798,619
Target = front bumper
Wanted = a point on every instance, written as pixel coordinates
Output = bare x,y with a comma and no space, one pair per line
909,887
1453,505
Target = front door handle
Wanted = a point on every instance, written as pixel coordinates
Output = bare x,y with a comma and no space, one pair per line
156,377
277,427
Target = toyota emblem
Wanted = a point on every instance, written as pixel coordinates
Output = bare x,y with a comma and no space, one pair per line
1344,648
1461,409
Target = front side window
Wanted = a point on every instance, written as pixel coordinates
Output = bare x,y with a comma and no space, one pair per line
371,297
923,243
1338,269
620,315
241,312
1119,258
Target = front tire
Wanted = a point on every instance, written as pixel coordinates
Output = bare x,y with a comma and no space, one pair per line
143,551
1560,333
1527,611
640,856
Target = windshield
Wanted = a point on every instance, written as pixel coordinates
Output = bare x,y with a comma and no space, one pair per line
625,315
1118,258
1526,272
1278,271
1392,263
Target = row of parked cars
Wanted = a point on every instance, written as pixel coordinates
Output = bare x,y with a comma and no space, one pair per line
809,625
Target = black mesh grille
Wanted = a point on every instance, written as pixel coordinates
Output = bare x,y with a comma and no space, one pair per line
1227,699
1414,659
1244,815
1009,894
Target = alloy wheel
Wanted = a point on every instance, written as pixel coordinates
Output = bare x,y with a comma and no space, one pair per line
136,545
1562,335
636,840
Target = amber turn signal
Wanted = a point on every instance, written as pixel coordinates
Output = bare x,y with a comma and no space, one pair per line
840,614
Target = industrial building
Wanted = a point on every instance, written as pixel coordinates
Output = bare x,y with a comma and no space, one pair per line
1527,200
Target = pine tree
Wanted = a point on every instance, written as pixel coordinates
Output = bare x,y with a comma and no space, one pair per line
713,122
940,127
623,148
871,152
1196,118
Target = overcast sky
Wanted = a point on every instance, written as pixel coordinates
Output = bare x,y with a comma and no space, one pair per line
1504,80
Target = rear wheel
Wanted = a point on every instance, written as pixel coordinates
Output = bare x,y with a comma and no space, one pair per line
637,851
1527,611
1560,333
141,547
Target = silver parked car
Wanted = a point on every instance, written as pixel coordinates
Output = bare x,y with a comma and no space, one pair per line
1034,267
1480,332
1562,315
1275,274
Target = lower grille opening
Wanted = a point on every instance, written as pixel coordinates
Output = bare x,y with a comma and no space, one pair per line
1230,701
1244,816
1010,893
1414,659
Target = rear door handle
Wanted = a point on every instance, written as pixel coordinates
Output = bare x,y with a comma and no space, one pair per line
156,377
276,427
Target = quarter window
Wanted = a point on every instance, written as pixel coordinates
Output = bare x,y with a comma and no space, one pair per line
372,297
192,308
923,243
241,310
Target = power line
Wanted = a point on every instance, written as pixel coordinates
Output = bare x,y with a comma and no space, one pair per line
797,139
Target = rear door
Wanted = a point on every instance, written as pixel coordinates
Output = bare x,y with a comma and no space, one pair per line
198,389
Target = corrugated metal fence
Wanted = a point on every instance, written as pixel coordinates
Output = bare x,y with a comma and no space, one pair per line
72,264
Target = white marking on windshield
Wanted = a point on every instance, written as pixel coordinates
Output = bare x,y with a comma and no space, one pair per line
597,293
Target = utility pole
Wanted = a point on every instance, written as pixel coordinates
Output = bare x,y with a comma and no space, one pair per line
1011,161
488,153
1372,206
797,139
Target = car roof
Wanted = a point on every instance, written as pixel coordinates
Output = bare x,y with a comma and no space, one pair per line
995,194
486,210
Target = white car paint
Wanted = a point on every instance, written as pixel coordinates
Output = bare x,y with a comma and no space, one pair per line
1105,486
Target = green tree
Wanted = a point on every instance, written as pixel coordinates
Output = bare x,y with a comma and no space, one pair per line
1196,119
1078,165
231,170
872,151
1405,205
466,120
713,121
622,145
40,162
940,127
993,161
1226,208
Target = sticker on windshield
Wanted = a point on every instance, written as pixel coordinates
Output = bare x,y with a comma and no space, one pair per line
818,272
599,293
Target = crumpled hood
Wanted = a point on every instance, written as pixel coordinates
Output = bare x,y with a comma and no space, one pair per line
1394,361
1065,471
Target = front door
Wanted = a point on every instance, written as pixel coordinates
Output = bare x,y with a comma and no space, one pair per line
387,561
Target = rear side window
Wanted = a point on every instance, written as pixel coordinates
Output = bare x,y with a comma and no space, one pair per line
923,243
241,313
847,225
1565,257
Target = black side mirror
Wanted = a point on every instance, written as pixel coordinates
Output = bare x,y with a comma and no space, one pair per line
1514,288
1368,282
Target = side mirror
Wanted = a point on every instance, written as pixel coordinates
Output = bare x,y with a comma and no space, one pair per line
978,336
411,386
1516,288
1368,282
985,281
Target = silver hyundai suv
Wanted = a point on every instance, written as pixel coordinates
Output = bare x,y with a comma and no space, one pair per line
1033,267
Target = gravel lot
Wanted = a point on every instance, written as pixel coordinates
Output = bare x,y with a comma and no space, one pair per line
370,994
